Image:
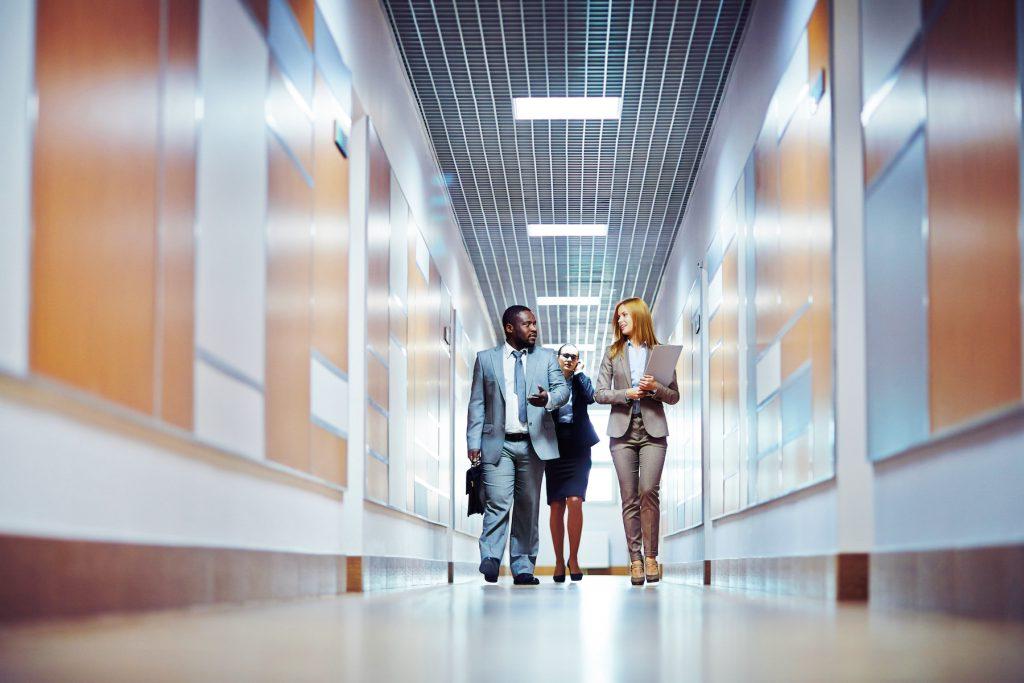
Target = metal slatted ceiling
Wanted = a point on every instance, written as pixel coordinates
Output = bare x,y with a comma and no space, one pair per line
667,59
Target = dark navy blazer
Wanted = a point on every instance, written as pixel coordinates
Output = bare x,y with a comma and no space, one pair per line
581,433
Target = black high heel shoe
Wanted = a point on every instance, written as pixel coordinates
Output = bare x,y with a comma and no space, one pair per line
576,577
559,578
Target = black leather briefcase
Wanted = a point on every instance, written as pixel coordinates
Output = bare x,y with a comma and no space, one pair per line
475,490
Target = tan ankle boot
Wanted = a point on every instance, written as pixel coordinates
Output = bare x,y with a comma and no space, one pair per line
652,569
636,573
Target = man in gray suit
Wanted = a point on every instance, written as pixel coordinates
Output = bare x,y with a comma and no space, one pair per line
511,431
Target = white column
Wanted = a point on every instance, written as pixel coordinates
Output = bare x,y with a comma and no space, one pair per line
854,474
359,195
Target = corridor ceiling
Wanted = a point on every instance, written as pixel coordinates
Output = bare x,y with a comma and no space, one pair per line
667,59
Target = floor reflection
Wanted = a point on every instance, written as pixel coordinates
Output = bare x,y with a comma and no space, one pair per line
601,629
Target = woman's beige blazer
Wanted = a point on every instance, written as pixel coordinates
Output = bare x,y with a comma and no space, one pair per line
612,382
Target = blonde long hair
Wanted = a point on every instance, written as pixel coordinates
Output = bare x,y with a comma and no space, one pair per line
643,325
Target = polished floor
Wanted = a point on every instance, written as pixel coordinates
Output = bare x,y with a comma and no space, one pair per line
598,630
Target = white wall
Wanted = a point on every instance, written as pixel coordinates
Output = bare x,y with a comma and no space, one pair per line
963,491
62,478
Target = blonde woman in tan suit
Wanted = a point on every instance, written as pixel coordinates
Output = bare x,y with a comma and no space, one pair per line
638,431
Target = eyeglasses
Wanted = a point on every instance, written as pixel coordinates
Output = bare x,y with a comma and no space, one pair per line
569,356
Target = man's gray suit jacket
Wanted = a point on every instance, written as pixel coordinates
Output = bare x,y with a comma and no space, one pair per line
486,424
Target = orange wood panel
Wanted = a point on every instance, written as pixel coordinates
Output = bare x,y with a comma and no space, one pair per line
729,314
378,252
818,40
332,226
289,223
328,455
766,236
94,196
794,190
305,12
819,208
177,214
973,211
897,118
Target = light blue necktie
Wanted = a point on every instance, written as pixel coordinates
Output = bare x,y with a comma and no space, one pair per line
520,378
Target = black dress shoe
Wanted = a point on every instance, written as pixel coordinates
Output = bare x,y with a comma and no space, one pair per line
489,568
576,577
559,578
526,580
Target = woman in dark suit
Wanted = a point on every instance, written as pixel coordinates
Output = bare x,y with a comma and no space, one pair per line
567,475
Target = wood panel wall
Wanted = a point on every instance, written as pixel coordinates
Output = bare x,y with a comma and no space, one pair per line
973,137
95,178
959,83
114,194
378,256
176,315
328,451
289,267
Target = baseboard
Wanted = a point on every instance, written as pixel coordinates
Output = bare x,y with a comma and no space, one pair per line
976,582
370,573
44,577
833,577
689,573
463,572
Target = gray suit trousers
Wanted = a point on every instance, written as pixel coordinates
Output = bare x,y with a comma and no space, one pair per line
513,484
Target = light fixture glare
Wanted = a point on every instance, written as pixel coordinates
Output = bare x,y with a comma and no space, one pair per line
567,230
568,301
535,108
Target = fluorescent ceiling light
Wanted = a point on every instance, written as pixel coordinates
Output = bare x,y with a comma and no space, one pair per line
567,230
528,108
583,348
568,301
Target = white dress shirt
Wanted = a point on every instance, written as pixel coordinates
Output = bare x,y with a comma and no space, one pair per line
512,423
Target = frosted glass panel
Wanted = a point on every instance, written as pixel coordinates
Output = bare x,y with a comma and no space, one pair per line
231,188
328,396
888,28
15,82
228,413
796,405
897,317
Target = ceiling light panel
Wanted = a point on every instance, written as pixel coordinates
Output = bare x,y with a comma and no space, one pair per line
546,108
567,230
568,301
